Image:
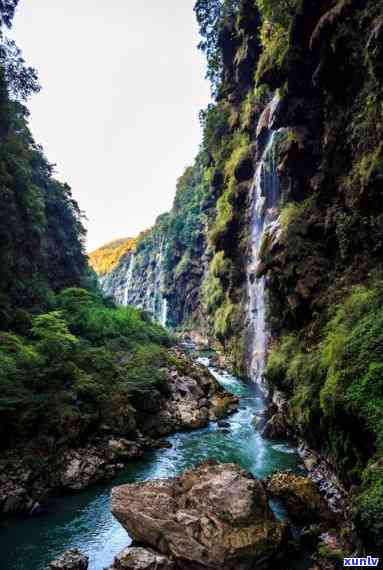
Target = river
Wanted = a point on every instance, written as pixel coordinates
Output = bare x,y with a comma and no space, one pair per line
84,520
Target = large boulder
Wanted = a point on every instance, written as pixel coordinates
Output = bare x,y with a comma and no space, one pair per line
215,516
194,398
303,501
70,560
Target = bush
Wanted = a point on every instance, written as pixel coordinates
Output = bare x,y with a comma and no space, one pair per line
63,376
369,506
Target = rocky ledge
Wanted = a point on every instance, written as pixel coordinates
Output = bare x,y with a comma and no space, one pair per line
215,516
189,399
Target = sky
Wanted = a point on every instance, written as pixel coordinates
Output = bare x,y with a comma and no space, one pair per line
123,82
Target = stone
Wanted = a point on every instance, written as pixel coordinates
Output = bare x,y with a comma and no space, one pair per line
15,500
81,470
301,496
137,558
215,516
195,398
124,449
275,427
70,560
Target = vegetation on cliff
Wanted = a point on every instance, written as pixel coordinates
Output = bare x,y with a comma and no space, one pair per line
106,258
324,273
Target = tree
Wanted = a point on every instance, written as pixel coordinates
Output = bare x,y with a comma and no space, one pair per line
278,11
22,81
211,15
7,11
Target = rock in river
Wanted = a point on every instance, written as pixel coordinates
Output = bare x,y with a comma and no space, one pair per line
215,516
137,558
70,560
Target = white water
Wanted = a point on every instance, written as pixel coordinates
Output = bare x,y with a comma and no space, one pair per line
164,316
265,194
154,301
128,284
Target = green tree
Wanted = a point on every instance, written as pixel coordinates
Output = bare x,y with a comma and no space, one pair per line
211,15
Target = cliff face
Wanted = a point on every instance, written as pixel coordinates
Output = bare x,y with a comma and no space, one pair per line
274,244
163,272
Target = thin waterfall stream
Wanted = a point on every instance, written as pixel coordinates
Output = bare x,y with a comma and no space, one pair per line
129,277
265,195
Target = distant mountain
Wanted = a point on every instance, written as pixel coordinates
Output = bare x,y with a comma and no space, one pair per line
106,258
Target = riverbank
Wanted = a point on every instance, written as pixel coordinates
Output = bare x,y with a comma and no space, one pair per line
83,520
190,397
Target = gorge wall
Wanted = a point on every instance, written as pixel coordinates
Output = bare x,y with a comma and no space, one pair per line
282,213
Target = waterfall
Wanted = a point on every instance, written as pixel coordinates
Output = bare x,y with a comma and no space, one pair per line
164,316
158,305
265,195
128,283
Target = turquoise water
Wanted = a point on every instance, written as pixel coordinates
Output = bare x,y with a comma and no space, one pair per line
84,521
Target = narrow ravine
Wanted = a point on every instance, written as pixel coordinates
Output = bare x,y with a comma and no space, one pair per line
84,520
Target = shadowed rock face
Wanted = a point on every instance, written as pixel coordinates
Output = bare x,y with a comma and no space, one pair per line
301,497
215,516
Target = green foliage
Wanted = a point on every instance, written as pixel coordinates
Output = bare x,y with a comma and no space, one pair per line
293,211
369,505
22,81
220,266
278,11
353,357
211,16
223,321
275,44
225,215
63,376
297,372
289,213
41,231
213,294
335,391
106,258
216,128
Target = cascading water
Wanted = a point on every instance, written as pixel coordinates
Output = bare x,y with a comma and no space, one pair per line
159,303
164,316
128,284
142,285
265,195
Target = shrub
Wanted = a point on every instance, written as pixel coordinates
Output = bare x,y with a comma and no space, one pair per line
61,379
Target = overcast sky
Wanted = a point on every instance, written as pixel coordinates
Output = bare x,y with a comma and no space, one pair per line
123,82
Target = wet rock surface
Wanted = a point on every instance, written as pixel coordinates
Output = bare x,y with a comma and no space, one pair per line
70,560
325,478
194,398
215,516
137,558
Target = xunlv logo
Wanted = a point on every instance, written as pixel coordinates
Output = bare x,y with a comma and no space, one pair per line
368,561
